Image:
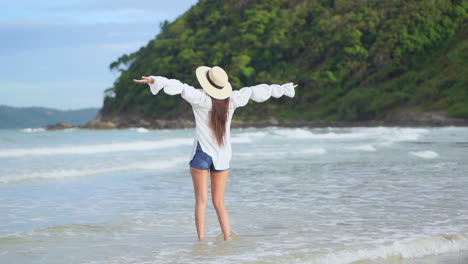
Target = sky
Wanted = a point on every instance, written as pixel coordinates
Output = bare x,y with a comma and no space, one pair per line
56,53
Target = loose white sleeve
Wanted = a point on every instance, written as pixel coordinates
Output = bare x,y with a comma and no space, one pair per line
173,87
261,93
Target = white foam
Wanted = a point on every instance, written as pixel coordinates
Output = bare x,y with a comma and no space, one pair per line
98,148
301,133
388,134
69,173
404,249
314,151
247,137
259,154
140,129
317,151
427,154
402,134
30,130
362,147
253,134
241,140
294,133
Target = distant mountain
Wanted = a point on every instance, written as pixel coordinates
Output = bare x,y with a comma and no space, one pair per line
22,117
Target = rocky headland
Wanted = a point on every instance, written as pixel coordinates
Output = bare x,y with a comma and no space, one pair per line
402,118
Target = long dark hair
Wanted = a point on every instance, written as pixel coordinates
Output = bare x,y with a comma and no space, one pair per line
218,118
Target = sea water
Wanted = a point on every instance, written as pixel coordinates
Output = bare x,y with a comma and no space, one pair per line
294,195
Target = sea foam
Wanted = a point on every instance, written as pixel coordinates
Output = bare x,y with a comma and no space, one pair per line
362,147
259,154
383,134
398,250
427,154
140,129
404,249
246,137
97,148
30,130
152,165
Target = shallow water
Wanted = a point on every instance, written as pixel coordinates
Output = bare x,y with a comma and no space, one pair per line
328,195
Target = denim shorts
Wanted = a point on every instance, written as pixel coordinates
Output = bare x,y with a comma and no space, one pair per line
203,161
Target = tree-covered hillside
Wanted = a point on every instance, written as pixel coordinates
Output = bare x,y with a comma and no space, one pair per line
353,60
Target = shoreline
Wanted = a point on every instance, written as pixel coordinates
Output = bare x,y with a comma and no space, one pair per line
181,124
401,119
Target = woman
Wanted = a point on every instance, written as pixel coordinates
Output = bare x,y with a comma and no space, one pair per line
213,107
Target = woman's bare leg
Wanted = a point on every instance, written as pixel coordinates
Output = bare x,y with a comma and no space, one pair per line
200,185
218,186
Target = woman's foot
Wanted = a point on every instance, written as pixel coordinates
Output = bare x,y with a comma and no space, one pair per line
229,237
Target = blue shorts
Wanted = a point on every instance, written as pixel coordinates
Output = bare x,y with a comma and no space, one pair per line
203,161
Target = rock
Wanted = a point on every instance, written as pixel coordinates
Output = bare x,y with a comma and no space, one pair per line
428,118
59,126
273,121
101,125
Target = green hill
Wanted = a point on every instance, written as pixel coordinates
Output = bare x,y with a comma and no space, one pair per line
353,60
23,117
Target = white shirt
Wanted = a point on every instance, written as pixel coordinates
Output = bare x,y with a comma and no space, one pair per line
201,106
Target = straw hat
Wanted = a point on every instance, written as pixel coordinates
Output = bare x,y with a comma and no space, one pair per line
214,81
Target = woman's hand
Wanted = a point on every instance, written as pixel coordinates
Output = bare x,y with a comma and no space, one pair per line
295,86
144,80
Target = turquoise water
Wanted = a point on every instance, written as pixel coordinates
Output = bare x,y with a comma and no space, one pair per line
295,195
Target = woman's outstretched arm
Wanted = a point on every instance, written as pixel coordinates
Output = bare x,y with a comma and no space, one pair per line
173,87
261,93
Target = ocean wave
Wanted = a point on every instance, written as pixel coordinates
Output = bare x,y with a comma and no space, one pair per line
31,130
139,129
407,249
427,154
97,148
313,151
60,230
316,151
124,224
70,173
388,134
362,147
398,250
247,137
299,133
